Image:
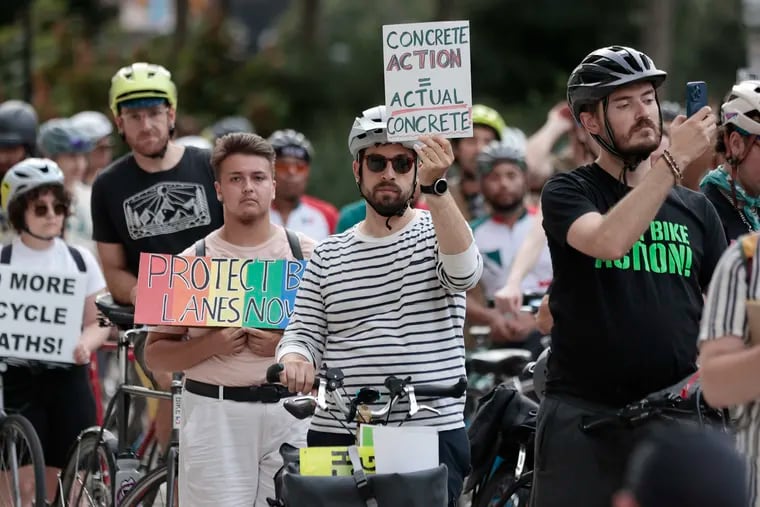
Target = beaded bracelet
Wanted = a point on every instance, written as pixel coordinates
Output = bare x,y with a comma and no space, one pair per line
673,166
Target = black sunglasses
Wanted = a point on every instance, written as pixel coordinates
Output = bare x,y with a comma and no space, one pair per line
402,164
40,210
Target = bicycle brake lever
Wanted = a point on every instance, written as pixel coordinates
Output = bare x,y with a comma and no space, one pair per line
413,407
321,394
429,409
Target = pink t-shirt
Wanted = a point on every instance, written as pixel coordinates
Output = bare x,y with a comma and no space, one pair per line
246,368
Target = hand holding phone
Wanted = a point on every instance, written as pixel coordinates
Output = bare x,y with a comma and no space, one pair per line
696,96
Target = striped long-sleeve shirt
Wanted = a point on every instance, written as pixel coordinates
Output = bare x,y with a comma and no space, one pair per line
725,314
375,307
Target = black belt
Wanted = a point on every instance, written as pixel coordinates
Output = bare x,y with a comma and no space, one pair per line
268,393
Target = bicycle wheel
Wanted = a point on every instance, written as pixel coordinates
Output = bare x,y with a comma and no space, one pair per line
87,478
150,491
502,490
22,464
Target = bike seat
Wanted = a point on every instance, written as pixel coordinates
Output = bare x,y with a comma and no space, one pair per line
509,362
121,316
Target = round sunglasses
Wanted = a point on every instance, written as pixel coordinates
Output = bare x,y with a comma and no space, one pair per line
41,209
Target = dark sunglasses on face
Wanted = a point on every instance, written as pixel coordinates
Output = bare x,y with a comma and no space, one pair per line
402,164
41,209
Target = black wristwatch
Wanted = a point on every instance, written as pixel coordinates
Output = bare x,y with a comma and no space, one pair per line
439,187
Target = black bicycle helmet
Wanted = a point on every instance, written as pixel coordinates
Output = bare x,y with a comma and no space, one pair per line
18,125
290,143
601,73
670,110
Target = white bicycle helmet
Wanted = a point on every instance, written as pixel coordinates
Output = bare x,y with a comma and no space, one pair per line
743,99
93,124
195,141
369,129
510,149
28,174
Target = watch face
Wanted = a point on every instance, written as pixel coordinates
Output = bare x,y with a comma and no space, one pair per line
440,187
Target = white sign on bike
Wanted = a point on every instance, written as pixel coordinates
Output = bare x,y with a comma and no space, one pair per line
402,449
40,314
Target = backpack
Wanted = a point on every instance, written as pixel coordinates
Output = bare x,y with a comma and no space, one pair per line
295,245
7,250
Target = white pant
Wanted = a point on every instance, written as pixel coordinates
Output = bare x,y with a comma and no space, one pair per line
229,450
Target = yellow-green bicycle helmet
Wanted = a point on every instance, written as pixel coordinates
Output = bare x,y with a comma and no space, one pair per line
489,117
141,81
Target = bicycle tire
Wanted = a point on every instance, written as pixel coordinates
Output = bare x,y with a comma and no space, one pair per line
26,430
501,488
145,491
81,453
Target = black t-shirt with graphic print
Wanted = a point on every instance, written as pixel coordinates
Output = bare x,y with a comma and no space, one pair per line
626,328
161,212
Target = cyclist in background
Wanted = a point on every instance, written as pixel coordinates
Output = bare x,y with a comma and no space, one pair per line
58,400
291,207
61,141
487,126
228,125
97,128
158,198
734,188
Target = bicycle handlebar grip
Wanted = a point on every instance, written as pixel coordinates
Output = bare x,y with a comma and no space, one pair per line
440,391
273,373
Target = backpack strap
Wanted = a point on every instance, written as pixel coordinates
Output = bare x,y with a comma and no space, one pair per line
295,244
7,251
200,247
5,254
78,259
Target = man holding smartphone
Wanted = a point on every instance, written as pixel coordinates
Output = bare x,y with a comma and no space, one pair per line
632,253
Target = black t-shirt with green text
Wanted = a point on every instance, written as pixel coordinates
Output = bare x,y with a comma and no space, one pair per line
628,327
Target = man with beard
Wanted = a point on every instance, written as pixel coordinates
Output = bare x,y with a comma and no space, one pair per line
499,236
632,253
387,297
230,436
292,207
159,198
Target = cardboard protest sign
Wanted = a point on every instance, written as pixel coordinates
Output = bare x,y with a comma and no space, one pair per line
427,79
216,292
40,314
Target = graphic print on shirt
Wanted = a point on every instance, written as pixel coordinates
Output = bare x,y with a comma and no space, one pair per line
166,208
666,249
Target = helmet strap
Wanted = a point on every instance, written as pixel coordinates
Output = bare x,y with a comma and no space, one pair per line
37,236
388,215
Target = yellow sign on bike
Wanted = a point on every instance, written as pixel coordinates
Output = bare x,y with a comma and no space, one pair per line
334,461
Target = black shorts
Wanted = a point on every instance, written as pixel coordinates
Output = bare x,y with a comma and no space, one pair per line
57,401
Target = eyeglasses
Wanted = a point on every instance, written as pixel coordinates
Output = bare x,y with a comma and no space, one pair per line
402,164
136,116
286,166
41,209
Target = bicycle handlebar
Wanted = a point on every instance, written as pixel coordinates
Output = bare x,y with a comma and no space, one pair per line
441,391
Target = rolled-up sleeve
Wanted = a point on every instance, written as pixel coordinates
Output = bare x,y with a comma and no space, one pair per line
459,272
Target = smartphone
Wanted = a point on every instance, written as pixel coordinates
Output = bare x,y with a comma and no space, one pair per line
696,96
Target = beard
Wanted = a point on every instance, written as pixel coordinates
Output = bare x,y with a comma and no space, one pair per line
640,149
504,205
387,204
157,150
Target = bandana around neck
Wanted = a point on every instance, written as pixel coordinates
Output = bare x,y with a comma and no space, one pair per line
720,178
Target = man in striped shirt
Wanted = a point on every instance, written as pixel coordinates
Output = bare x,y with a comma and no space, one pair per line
387,297
729,361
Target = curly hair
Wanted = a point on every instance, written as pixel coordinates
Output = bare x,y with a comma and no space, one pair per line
18,206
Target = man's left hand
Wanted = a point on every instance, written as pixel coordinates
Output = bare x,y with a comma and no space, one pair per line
435,156
522,324
263,342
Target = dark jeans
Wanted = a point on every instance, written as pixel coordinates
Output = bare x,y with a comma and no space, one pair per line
578,468
453,451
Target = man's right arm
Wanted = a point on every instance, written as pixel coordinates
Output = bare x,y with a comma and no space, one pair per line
120,281
611,235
